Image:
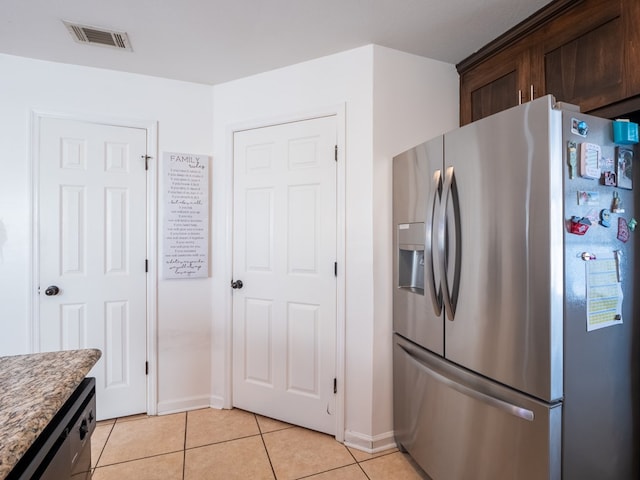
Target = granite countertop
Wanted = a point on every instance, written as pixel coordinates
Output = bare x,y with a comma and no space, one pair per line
32,390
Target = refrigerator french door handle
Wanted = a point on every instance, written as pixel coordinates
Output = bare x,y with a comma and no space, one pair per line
450,287
436,293
511,409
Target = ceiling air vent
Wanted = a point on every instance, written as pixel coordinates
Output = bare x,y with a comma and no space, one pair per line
98,36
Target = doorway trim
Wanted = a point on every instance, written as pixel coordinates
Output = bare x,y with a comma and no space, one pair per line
151,127
338,111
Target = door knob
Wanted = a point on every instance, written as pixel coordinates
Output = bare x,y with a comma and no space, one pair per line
236,284
51,291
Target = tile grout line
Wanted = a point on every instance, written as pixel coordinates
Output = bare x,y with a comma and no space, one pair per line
265,447
103,447
357,462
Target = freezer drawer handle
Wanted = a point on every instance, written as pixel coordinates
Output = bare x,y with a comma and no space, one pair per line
506,407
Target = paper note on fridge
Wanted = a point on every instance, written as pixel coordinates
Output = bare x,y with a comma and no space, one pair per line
604,294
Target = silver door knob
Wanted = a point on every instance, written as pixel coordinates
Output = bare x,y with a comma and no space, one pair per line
52,291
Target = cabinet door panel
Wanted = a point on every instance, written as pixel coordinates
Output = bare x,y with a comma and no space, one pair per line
495,96
495,85
588,70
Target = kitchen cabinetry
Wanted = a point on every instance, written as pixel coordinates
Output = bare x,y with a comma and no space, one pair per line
585,52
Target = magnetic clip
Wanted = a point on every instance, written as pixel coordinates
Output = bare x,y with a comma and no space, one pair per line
586,256
616,203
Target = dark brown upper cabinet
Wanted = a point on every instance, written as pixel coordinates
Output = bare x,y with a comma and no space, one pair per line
585,52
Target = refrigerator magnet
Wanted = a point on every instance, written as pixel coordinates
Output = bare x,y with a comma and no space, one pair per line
624,161
616,204
579,225
588,198
579,127
572,153
632,224
589,160
623,230
609,179
605,218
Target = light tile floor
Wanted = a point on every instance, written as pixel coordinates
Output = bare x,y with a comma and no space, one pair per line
232,444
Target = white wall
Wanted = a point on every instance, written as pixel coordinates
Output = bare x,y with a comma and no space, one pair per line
393,101
415,99
184,115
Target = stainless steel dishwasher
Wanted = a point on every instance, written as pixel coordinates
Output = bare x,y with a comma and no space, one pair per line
63,450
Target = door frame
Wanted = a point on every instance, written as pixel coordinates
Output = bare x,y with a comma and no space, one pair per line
151,128
339,112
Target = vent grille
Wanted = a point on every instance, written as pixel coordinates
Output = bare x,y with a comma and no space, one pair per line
98,36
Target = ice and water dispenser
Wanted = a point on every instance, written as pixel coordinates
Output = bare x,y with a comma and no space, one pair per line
411,256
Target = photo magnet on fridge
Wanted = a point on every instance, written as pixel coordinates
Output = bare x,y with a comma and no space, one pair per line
624,167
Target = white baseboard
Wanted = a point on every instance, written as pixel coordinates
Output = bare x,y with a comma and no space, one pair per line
368,443
216,402
184,404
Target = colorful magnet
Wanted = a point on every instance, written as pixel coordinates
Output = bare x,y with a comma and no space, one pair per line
573,158
632,224
579,225
588,198
605,218
623,230
586,256
609,179
616,204
579,127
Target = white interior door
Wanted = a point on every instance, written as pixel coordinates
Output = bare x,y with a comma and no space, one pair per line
92,247
284,235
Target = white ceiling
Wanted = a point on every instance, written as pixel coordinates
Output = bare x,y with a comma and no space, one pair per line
214,41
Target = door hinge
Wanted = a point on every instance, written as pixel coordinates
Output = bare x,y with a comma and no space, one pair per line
335,152
146,265
335,269
146,161
335,385
146,368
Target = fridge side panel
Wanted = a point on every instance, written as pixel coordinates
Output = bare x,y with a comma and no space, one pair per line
508,318
600,425
416,311
457,425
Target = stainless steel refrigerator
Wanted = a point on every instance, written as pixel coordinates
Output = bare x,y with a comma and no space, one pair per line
513,359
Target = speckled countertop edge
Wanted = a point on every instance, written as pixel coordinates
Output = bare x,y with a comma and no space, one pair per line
32,390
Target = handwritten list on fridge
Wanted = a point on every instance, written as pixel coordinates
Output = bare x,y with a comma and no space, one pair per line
186,216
